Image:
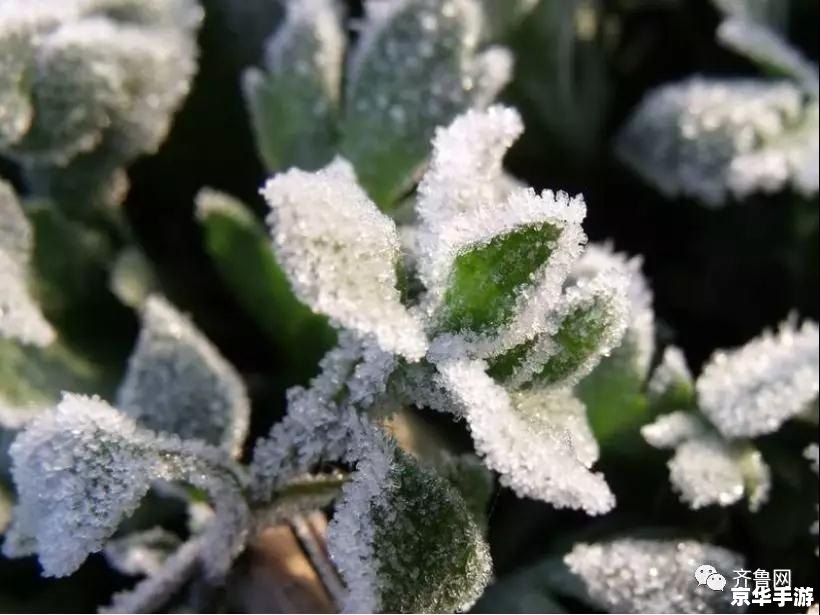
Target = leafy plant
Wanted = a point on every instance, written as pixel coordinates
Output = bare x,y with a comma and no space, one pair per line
472,344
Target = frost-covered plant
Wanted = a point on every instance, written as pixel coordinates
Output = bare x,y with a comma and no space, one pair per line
86,86
416,65
716,138
740,395
482,309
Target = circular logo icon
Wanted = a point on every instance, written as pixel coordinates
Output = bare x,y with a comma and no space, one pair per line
703,572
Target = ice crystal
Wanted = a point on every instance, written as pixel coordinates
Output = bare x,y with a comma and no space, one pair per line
20,317
90,76
753,390
83,467
375,538
538,441
294,102
708,138
416,66
651,576
341,254
177,382
153,592
764,46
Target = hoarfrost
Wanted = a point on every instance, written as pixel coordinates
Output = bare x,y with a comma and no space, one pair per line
650,576
536,440
341,254
177,382
707,138
20,317
83,467
753,390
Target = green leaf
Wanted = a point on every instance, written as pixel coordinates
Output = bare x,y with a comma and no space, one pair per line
616,404
241,250
579,337
403,538
483,286
416,67
294,103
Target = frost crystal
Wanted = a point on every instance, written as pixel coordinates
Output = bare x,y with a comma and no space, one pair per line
20,317
83,467
753,390
416,67
388,564
706,138
121,68
537,440
651,576
342,254
177,382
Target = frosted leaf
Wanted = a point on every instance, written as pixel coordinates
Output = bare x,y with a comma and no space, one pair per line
294,102
705,472
465,170
93,85
670,430
651,576
82,468
151,594
141,553
177,382
765,47
375,539
588,324
638,344
671,378
20,317
538,441
415,67
78,59
705,469
493,273
341,254
754,389
707,138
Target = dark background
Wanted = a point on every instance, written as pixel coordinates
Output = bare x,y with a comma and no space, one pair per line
719,276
